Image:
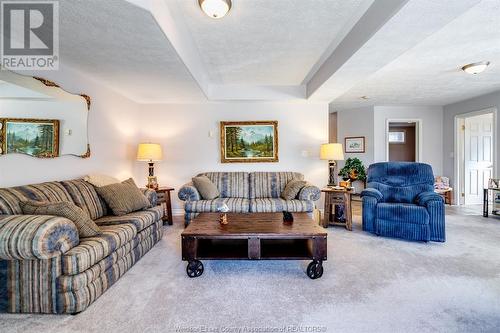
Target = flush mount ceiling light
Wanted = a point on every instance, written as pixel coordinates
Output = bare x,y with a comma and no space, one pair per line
215,8
476,67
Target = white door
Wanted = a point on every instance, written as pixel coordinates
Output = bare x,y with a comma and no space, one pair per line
478,156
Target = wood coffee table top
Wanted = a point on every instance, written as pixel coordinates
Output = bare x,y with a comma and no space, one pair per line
253,224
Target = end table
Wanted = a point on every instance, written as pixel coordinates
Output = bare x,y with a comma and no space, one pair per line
163,194
341,198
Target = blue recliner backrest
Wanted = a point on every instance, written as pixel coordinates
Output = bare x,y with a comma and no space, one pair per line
400,181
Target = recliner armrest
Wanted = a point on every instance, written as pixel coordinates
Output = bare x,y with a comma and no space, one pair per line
372,192
189,193
424,198
309,192
27,237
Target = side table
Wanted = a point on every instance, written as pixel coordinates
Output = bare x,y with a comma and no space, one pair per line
334,197
164,200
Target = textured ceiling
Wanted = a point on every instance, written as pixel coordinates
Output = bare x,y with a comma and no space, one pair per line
262,42
429,73
122,46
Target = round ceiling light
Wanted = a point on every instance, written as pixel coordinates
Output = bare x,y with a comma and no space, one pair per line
476,67
215,8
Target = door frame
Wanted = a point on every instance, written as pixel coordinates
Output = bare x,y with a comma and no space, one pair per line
458,169
418,136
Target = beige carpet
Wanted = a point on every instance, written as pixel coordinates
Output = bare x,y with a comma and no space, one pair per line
370,284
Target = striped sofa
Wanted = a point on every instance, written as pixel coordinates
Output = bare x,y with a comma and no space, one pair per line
245,192
46,268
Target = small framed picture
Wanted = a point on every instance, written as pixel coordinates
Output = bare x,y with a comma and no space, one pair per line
354,144
152,183
397,137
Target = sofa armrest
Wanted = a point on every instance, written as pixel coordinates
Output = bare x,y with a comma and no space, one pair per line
424,198
151,195
372,192
310,192
189,193
35,236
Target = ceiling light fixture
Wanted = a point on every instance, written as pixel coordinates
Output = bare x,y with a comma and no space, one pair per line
215,8
365,97
476,67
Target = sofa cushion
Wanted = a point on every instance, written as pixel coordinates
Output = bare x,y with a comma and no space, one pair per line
85,196
230,184
206,187
124,197
236,205
86,227
91,250
402,213
292,189
141,219
270,184
272,205
10,198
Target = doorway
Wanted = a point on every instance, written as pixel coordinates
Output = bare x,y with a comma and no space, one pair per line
476,154
403,140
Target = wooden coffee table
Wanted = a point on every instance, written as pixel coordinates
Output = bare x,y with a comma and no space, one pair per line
254,236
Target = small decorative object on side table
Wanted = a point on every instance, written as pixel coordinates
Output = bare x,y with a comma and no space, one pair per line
335,197
164,199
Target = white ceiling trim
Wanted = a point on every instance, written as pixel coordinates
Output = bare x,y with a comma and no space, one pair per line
377,15
226,92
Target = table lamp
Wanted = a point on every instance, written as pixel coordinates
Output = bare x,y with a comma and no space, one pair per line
150,152
332,152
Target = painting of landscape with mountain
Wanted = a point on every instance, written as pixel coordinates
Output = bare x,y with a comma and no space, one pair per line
249,141
34,137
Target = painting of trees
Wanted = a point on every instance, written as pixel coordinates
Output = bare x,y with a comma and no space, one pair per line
31,136
249,141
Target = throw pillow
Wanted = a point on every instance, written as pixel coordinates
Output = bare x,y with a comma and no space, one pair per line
206,187
86,227
292,189
99,180
124,197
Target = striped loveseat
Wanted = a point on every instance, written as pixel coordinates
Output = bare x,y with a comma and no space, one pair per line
245,192
46,268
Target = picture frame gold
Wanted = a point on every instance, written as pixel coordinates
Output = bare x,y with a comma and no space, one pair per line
249,141
54,147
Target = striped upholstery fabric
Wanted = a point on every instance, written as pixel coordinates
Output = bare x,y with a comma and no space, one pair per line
369,213
236,205
123,198
230,184
11,197
409,231
29,285
189,193
151,196
85,196
35,237
270,184
272,205
73,301
310,192
141,219
92,249
78,281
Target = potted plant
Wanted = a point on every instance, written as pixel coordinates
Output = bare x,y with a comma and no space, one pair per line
353,170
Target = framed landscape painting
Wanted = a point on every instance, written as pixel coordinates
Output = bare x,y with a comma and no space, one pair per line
249,141
35,137
354,144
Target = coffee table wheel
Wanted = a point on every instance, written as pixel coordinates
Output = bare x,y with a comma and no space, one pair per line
194,268
315,269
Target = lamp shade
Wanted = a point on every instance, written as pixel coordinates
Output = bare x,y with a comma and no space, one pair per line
332,152
149,152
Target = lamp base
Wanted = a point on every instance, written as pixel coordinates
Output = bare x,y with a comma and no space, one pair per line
332,178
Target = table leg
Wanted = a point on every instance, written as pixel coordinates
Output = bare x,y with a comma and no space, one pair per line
485,202
328,211
169,207
348,211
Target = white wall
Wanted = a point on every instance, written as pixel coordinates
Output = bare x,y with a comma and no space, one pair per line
357,122
431,118
450,112
112,136
183,131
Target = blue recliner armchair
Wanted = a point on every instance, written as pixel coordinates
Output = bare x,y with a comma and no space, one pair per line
400,202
